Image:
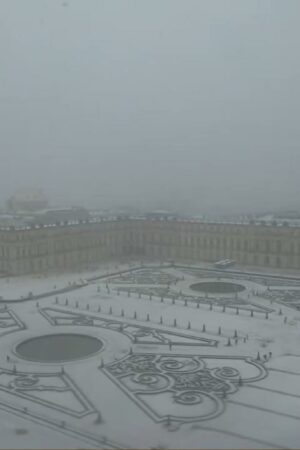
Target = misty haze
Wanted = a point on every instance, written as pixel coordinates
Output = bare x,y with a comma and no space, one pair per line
149,224
152,103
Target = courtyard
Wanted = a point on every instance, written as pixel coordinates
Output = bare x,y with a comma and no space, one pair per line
150,356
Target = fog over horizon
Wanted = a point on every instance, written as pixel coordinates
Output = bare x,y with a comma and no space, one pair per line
188,105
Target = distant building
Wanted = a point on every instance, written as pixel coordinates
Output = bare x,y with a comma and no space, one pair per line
59,216
78,244
38,239
27,200
160,214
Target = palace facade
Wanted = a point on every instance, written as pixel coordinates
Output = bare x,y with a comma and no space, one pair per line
71,246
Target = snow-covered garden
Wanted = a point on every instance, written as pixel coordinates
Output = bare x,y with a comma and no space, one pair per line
150,357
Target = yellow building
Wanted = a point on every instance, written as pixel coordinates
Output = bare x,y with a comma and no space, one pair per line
70,246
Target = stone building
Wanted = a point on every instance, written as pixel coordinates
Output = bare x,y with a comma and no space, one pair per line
77,245
249,244
27,200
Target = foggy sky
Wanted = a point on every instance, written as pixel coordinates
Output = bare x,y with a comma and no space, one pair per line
152,103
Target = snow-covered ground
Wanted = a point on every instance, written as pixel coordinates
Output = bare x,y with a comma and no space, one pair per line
177,368
12,288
